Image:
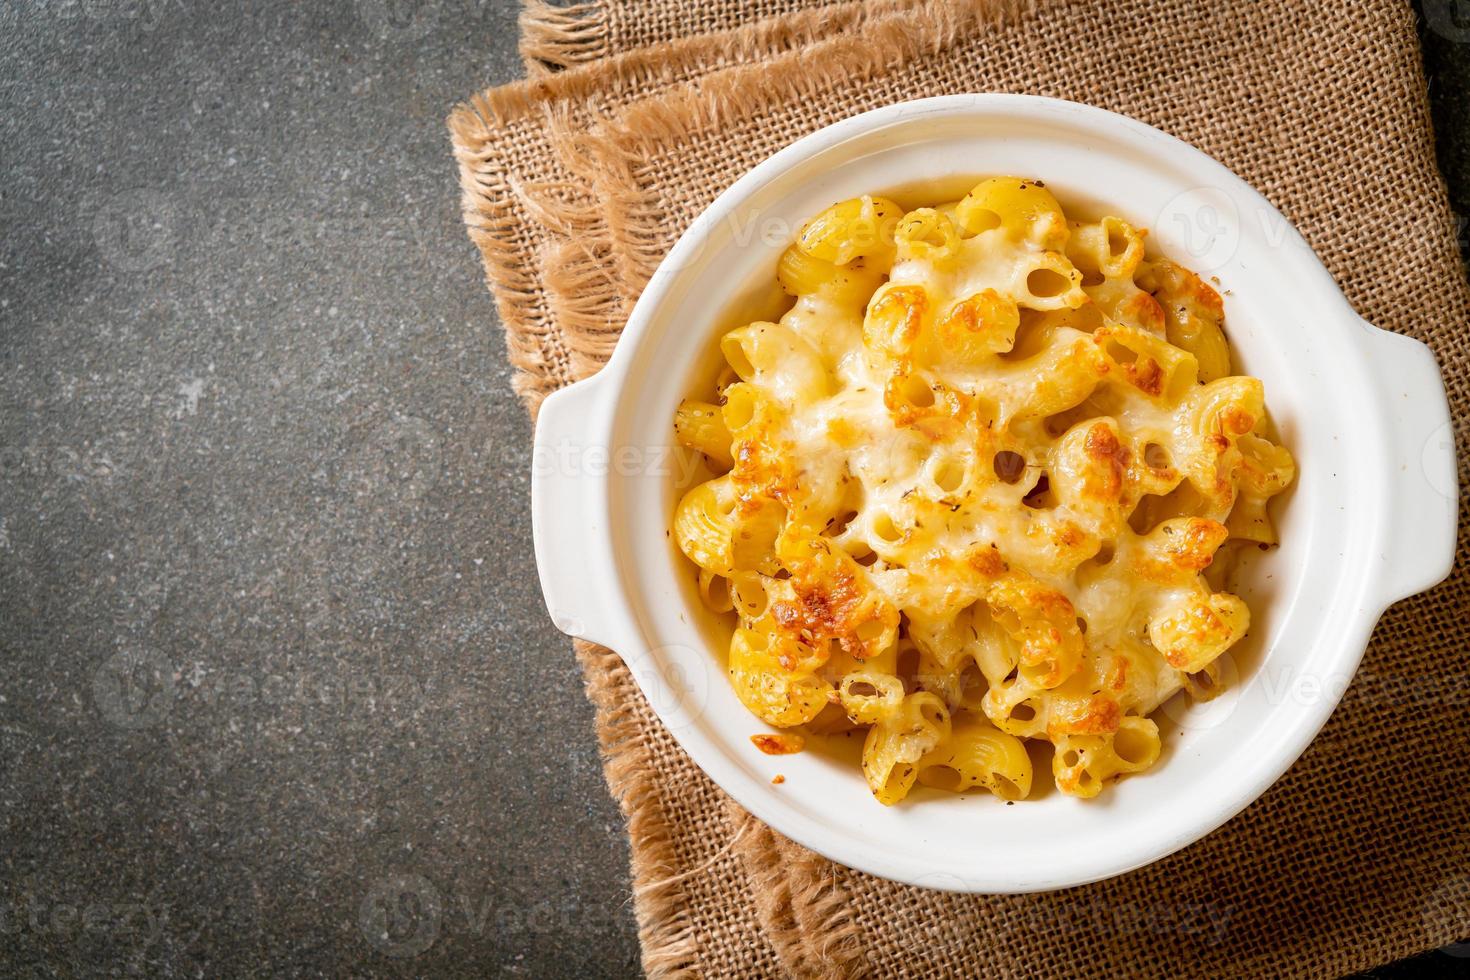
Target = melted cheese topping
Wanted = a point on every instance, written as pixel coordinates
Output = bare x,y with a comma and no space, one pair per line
970,482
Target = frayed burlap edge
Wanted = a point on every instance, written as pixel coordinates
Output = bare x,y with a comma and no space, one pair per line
573,335
593,318
532,350
555,37
800,905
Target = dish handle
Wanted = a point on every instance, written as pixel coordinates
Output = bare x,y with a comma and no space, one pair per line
1419,546
570,516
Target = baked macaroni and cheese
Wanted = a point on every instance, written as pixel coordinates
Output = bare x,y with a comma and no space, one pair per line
969,488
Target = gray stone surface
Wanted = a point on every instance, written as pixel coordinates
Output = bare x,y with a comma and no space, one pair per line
277,692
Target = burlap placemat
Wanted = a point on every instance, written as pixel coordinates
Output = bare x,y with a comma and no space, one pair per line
1360,854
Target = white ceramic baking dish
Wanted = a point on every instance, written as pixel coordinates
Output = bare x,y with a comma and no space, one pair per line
1371,520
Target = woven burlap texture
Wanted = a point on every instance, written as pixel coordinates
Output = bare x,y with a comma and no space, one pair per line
557,36
1358,855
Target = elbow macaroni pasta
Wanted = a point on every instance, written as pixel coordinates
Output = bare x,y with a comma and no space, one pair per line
968,488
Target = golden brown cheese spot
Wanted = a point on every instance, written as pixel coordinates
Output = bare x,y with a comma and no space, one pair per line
975,313
785,743
986,317
799,653
934,409
822,609
1067,542
1193,546
1043,624
1201,626
1099,715
894,320
1182,546
1138,369
1105,482
1146,375
989,563
777,779
1052,605
1069,536
1145,311
1181,285
763,471
831,606
1237,421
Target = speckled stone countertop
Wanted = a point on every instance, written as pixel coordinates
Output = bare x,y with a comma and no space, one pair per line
278,694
